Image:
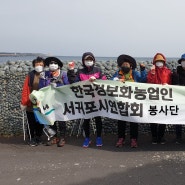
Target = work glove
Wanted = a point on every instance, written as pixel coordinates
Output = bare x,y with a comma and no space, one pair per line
142,67
116,79
92,78
42,75
71,65
23,107
53,84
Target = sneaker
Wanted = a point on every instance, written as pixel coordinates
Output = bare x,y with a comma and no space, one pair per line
52,141
61,142
33,142
99,142
154,140
120,142
134,143
87,142
48,143
162,141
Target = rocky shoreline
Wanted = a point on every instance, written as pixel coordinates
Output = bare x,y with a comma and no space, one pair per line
12,77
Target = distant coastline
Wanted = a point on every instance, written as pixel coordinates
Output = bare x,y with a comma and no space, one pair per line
6,54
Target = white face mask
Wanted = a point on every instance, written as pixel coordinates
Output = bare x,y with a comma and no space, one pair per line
53,67
89,63
159,64
39,68
183,64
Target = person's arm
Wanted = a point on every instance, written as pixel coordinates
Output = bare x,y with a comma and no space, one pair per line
151,77
140,76
115,76
25,101
77,77
25,92
45,79
65,78
71,76
175,78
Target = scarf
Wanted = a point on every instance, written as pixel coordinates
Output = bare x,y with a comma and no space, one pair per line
127,77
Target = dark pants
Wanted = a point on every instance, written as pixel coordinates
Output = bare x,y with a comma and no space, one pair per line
122,129
178,129
86,126
60,128
35,127
157,130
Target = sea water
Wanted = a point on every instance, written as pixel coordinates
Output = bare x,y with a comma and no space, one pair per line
4,59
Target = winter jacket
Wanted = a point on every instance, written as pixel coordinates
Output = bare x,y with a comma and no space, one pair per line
86,73
47,79
178,77
161,76
138,77
27,89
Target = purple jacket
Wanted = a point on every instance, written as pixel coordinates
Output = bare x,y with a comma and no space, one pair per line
48,79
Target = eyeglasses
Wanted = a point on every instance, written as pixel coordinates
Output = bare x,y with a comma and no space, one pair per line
53,62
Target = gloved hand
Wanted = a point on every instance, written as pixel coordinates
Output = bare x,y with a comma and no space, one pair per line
23,107
116,79
92,78
53,84
42,75
71,65
142,67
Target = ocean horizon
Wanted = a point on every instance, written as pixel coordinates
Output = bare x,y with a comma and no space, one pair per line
4,59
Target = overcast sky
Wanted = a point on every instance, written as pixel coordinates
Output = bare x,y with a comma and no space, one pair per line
139,28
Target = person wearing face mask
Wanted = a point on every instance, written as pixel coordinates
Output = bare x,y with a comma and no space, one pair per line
178,78
127,72
31,83
55,77
159,74
91,73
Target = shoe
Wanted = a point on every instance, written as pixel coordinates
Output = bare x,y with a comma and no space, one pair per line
38,140
178,140
99,142
33,142
87,142
48,143
162,141
61,142
154,140
120,142
52,141
134,143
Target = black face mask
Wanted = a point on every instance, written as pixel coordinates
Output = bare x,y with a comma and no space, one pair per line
125,69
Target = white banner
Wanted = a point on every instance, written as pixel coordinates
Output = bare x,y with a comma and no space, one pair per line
130,101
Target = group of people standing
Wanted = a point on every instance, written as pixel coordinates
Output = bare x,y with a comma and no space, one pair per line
55,76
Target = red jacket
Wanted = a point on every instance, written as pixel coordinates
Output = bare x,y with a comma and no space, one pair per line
26,92
27,89
161,76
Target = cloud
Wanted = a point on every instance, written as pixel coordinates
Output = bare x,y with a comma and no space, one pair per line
106,27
